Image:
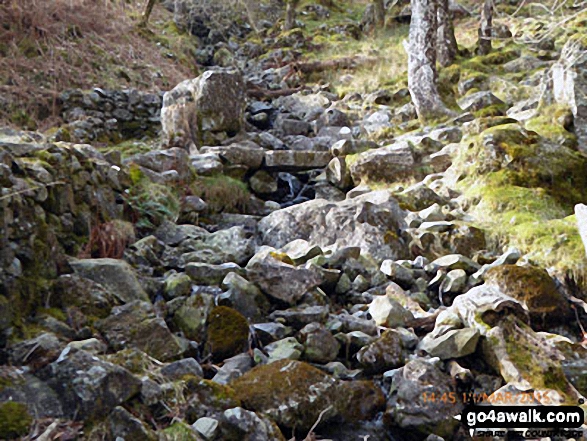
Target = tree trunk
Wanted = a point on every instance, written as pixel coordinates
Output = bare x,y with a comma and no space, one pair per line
486,28
379,12
422,74
147,13
447,43
290,14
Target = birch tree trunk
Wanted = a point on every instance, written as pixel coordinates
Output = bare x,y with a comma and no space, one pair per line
485,28
422,75
447,43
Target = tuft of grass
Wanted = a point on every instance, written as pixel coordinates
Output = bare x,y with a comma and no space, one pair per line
222,193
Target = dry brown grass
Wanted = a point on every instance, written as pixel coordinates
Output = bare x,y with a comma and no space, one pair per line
47,46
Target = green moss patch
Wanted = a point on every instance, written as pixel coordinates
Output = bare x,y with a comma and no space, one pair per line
14,420
522,189
534,287
228,333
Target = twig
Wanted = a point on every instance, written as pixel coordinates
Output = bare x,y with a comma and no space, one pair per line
311,432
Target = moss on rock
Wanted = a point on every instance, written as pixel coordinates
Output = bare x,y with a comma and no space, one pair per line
292,393
14,420
228,333
534,287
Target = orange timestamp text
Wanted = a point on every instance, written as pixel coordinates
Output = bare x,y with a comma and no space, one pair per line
496,398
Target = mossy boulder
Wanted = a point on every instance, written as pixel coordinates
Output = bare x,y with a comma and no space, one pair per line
292,393
192,316
536,289
207,398
359,401
15,420
228,333
528,361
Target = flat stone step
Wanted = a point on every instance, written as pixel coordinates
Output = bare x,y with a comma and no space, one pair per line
295,160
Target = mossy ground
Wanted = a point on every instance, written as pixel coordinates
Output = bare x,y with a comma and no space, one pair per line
522,189
15,420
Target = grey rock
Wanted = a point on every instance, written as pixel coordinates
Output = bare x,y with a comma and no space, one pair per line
478,100
177,369
386,164
388,312
385,353
278,279
287,349
242,295
123,425
192,314
319,344
209,274
302,316
359,222
207,427
300,160
249,426
455,261
454,344
247,154
115,275
233,368
270,332
89,387
262,183
455,282
410,383
136,325
214,102
398,273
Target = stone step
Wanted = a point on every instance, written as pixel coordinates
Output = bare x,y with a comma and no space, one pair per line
296,160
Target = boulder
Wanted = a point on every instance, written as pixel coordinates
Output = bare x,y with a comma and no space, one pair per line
411,405
228,333
383,354
240,424
581,214
89,387
136,325
388,164
372,222
454,344
212,103
479,100
309,391
319,344
533,287
292,160
116,276
277,277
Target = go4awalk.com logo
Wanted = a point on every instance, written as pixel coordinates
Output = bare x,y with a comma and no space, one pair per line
527,421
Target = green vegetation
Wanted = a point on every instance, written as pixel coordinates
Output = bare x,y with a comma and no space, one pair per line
150,203
523,190
222,193
228,333
14,420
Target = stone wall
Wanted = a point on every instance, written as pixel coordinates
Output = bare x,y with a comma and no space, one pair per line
109,115
51,195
